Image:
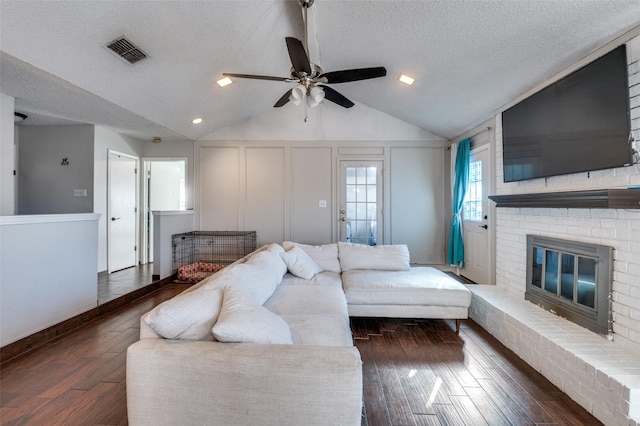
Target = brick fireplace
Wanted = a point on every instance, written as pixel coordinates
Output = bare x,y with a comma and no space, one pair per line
601,375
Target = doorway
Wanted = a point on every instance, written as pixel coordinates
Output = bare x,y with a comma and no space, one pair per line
164,189
122,211
475,217
361,202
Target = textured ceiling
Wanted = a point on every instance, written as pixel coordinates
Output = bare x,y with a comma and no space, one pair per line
469,57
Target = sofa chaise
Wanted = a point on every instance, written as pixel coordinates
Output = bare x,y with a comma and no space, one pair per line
267,340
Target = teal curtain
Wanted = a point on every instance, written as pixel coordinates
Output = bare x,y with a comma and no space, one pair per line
455,252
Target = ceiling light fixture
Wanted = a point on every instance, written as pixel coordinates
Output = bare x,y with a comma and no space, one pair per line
314,95
406,79
224,82
197,120
18,117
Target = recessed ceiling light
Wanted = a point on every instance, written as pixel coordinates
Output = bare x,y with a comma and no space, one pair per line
224,82
406,79
197,120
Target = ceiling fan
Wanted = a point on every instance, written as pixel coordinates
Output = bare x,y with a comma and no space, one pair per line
310,78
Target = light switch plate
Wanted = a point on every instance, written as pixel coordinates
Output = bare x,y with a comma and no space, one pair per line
322,204
79,192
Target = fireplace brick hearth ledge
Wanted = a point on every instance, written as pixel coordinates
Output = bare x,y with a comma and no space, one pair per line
601,375
597,198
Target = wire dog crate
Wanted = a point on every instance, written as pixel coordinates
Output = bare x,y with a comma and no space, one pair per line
198,254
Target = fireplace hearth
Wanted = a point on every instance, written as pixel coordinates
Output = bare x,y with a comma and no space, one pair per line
571,279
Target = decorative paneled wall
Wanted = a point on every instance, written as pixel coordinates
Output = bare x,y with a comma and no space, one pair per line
279,190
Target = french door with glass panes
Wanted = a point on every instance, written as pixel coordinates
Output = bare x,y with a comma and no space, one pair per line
361,202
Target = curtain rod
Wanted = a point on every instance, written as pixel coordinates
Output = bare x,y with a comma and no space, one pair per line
486,129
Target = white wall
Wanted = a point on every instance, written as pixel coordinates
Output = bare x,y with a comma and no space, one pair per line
47,271
617,228
269,173
326,122
104,141
165,225
45,185
7,155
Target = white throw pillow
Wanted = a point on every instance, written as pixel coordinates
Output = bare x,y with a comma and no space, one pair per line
259,275
187,316
300,264
381,258
326,255
242,320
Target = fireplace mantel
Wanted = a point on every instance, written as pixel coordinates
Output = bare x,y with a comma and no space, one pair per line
597,199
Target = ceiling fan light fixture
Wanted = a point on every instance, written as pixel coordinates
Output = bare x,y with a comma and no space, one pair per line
316,95
406,79
224,82
297,94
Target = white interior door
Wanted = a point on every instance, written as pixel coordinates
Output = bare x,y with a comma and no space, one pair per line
122,211
361,202
475,217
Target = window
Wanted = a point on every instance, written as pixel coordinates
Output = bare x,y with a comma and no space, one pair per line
361,205
472,207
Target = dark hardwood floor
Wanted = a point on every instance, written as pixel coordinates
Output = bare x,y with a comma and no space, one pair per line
419,372
78,379
415,373
119,283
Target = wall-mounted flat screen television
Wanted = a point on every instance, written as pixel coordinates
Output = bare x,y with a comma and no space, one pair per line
577,124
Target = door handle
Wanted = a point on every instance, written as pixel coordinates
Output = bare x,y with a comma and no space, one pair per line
483,226
114,218
343,219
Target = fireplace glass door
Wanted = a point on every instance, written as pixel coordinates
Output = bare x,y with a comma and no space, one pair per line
571,279
564,276
586,289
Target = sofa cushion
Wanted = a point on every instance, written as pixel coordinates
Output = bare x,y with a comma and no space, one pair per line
259,275
187,316
308,300
272,247
325,255
321,330
243,320
324,278
418,286
299,263
220,279
382,258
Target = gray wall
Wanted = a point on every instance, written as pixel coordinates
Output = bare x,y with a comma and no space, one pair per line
45,186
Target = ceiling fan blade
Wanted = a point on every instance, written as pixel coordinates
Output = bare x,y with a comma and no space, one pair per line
335,97
255,77
355,74
298,55
283,100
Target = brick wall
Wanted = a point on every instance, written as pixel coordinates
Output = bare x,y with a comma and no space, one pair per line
619,229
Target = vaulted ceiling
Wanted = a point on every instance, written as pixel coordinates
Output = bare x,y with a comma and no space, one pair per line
469,57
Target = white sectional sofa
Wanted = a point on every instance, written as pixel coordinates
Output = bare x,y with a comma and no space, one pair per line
267,340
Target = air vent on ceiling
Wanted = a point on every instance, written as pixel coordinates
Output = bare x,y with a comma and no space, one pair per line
126,50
